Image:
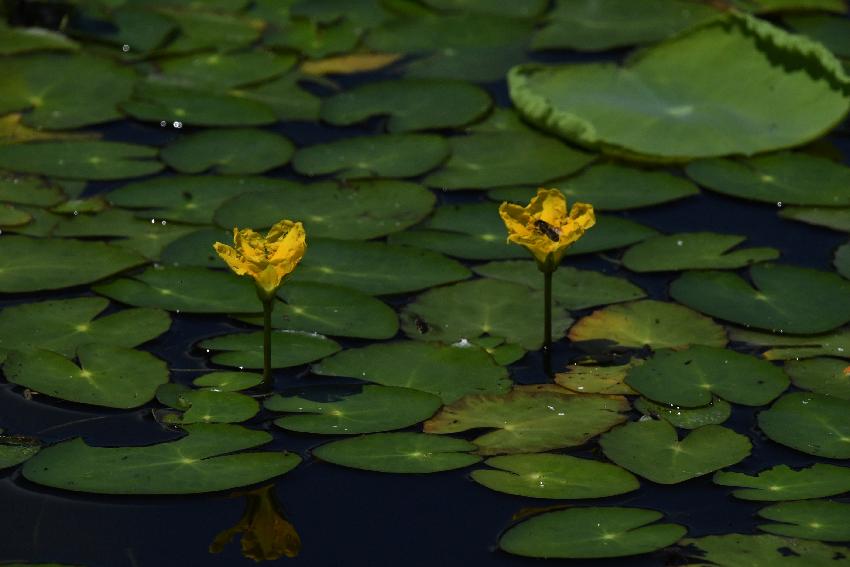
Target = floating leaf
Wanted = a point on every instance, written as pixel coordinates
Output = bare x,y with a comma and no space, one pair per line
693,251
15,40
832,31
528,422
820,375
521,9
810,423
228,381
229,152
284,97
80,159
109,376
786,178
590,379
425,33
784,483
733,550
554,476
63,325
656,324
823,520
842,260
289,348
779,300
225,70
653,450
468,310
485,64
836,218
773,6
350,64
10,216
591,533
28,264
383,155
689,377
715,413
686,105
202,461
449,372
787,347
411,104
14,450
343,411
26,190
376,268
213,406
312,39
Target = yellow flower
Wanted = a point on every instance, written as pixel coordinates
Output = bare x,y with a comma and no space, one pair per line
546,227
268,259
266,534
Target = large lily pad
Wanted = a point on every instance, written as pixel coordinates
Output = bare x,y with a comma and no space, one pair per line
376,268
289,348
227,381
14,40
229,152
591,533
780,300
693,251
383,155
284,97
28,264
652,449
358,210
836,218
29,190
733,550
571,288
449,372
589,378
689,377
343,411
786,347
832,31
823,520
811,423
786,178
468,310
714,413
202,461
784,483
520,9
399,453
109,376
528,422
63,325
684,103
314,39
656,324
821,375
411,104
213,406
217,71
554,476
80,159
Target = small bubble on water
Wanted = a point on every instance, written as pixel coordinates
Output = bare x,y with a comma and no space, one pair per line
76,213
679,242
163,124
177,124
778,203
153,221
125,48
163,223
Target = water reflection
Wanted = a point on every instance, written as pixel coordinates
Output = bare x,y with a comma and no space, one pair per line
266,533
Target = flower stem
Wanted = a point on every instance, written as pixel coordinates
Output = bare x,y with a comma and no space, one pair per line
268,305
547,322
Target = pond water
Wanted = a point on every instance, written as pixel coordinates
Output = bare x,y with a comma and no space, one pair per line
344,514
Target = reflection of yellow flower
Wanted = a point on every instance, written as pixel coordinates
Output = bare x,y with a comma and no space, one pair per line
545,227
266,534
266,259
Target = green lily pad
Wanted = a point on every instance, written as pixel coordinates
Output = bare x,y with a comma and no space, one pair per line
656,324
424,32
591,533
366,13
653,450
229,152
289,348
784,483
383,155
141,30
780,299
188,290
376,268
196,249
520,9
89,206
786,178
202,461
63,91
694,251
528,422
773,6
822,520
343,411
218,70
284,97
681,107
65,324
116,222
314,39
224,381
468,310
820,375
449,372
733,550
841,260
714,413
215,406
358,210
399,453
29,190
209,28
554,476
571,288
331,310
410,104
587,25
28,264
786,347
80,159
10,216
15,40
503,353
485,64
14,450
810,423
190,199
109,376
592,379
689,377
482,161
832,31
836,218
